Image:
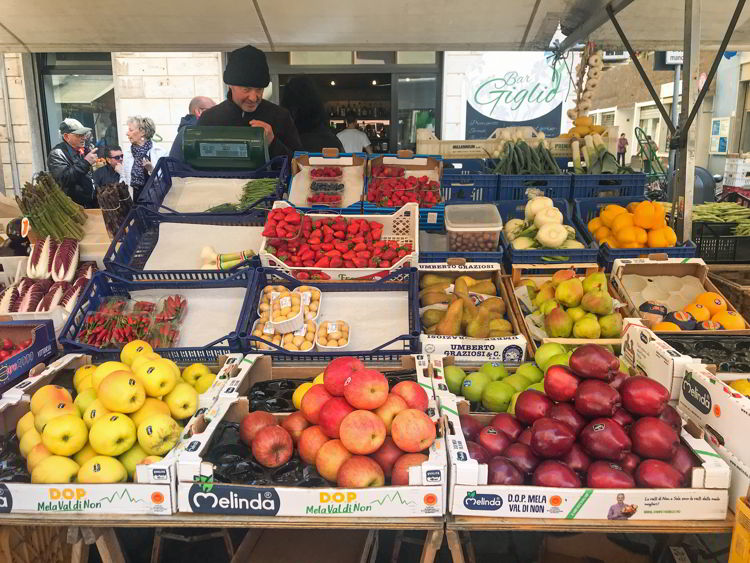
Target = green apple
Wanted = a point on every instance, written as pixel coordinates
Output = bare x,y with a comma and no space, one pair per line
531,372
182,400
132,457
624,367
545,352
512,405
538,387
84,399
454,377
494,370
473,386
102,469
558,360
204,381
158,434
517,381
112,435
497,396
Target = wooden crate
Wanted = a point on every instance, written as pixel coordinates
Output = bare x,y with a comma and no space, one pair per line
734,282
34,544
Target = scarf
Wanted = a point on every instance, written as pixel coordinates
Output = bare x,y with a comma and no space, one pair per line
138,175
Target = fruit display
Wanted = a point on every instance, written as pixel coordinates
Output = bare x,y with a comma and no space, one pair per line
333,334
724,212
351,430
119,321
641,225
390,187
464,306
566,306
589,426
103,420
327,173
473,227
542,227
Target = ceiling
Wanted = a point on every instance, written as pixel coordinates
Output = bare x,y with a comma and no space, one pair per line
442,25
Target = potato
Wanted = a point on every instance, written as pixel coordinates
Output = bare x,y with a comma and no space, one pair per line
322,340
343,341
306,346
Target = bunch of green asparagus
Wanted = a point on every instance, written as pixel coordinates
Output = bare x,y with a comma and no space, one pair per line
50,211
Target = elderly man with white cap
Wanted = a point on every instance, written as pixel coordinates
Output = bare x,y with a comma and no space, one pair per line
70,163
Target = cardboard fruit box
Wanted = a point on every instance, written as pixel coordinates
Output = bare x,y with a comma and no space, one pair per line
198,491
470,495
354,170
541,273
42,347
154,491
658,265
507,349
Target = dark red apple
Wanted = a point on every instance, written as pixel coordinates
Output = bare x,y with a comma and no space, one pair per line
596,399
295,424
565,412
551,438
522,457
607,475
630,462
331,414
591,361
671,417
501,471
684,461
252,422
477,452
470,426
493,440
623,418
654,438
553,473
603,438
525,436
657,474
532,405
560,384
643,396
508,424
272,446
337,372
387,455
577,459
619,378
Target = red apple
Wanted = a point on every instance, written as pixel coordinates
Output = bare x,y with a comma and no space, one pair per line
400,475
272,446
366,389
331,415
295,423
412,393
337,372
310,441
313,401
413,431
362,432
331,456
359,472
253,422
386,455
393,405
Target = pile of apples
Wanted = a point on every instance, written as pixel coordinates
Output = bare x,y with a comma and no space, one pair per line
593,424
350,427
124,414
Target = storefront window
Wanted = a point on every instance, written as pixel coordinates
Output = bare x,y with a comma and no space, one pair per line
79,85
416,96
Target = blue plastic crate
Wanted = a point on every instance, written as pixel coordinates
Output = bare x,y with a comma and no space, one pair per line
404,280
465,165
107,284
160,182
515,210
585,209
608,185
139,234
512,187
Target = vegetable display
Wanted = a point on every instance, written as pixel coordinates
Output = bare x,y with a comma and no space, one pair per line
643,224
724,212
50,211
520,157
252,192
542,228
115,203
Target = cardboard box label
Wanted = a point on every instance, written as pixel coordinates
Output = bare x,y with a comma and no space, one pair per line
508,349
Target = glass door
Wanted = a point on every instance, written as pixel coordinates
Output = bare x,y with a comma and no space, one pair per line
415,106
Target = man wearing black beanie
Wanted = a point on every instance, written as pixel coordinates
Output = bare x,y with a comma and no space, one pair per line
247,76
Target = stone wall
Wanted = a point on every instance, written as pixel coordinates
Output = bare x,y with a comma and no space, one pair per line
21,131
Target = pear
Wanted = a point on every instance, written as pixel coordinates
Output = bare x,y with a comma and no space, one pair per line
435,287
546,293
432,279
587,328
484,287
561,276
558,323
479,327
432,317
501,325
611,325
569,292
598,302
470,311
493,305
435,297
595,281
450,324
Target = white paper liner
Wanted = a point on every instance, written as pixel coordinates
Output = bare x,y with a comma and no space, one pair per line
196,195
353,180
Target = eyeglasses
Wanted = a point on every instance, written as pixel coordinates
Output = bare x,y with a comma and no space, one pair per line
118,157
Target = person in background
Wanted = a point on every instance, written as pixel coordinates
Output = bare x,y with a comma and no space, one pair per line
352,138
301,98
622,146
651,151
196,107
110,173
70,163
139,161
247,76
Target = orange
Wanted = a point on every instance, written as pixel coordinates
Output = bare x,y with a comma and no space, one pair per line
729,320
665,327
700,312
712,301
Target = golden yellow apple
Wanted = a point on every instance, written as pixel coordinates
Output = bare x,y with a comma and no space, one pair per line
55,469
24,423
83,373
133,349
49,395
158,434
193,372
30,439
53,411
37,454
121,391
102,469
104,370
112,435
131,458
87,452
145,357
318,379
157,376
84,399
150,407
204,382
65,435
182,401
174,367
94,412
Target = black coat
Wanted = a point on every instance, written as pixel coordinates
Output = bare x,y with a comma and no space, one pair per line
286,139
105,176
320,138
73,173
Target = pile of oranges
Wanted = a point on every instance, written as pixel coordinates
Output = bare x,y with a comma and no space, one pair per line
708,312
642,224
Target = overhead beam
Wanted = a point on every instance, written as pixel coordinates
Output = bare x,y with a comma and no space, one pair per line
598,18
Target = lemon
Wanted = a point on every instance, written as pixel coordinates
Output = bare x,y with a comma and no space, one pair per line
741,385
133,349
299,392
318,379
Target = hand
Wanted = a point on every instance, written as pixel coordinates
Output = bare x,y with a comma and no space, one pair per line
147,166
119,168
91,156
266,127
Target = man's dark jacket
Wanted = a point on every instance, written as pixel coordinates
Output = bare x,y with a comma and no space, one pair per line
73,173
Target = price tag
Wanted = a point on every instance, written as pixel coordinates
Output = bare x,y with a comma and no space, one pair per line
332,327
306,297
301,331
268,329
285,302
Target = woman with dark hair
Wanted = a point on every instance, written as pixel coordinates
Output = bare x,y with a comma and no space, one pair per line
301,98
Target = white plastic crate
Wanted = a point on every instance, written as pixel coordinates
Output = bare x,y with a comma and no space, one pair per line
401,226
